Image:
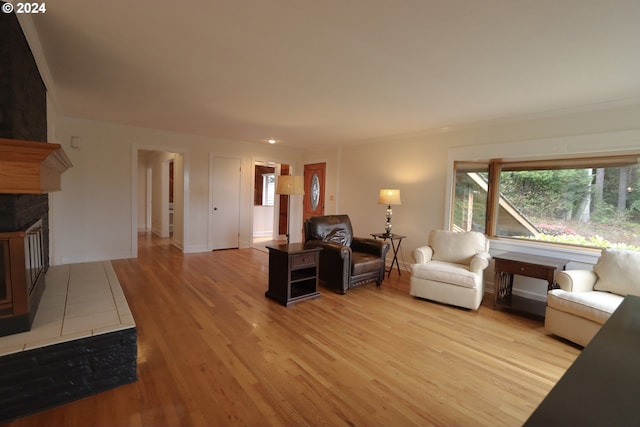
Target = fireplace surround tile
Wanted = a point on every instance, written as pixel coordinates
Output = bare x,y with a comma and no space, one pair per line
56,340
90,322
80,300
9,349
99,302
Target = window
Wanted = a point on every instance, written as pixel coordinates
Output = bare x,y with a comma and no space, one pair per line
591,202
471,185
268,189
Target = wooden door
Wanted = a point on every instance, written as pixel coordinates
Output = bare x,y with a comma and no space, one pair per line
283,211
224,214
314,175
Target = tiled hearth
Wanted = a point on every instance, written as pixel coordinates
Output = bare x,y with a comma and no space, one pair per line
79,301
83,341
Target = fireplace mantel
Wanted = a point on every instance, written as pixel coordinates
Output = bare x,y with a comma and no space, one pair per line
28,167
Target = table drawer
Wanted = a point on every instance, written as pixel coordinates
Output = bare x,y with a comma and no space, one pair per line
303,260
535,271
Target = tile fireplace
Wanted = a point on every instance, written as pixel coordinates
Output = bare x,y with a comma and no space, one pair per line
28,171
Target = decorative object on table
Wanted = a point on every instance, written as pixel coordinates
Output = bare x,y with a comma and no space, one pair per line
289,185
450,269
345,261
389,197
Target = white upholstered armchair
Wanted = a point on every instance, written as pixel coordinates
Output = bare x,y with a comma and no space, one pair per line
450,269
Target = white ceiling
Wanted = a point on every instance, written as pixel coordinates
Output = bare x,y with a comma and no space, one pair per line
322,72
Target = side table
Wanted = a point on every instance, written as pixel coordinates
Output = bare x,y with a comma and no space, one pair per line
535,266
393,238
293,273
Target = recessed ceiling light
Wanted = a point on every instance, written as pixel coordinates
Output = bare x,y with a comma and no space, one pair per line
271,141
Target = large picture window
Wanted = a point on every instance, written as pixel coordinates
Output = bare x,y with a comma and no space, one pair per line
593,202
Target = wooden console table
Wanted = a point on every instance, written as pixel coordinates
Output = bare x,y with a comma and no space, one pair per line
293,273
538,267
602,386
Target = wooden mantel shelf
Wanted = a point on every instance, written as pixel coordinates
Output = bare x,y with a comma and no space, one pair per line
28,167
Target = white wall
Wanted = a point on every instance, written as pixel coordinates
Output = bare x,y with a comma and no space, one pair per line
419,165
94,217
263,221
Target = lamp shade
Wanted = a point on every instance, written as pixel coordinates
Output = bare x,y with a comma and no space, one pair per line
289,184
389,196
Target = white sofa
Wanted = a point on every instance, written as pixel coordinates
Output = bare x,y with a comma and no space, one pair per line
450,269
586,298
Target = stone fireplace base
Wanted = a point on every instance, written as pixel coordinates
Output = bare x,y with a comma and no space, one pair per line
83,340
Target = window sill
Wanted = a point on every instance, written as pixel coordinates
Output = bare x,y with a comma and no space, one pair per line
579,258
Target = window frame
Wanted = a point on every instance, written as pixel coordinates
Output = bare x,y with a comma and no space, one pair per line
495,167
588,147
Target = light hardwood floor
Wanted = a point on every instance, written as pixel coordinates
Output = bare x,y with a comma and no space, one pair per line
213,351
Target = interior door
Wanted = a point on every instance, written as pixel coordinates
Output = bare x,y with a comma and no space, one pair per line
283,211
224,212
313,204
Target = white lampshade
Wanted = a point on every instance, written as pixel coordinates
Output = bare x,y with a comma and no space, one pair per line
389,196
289,184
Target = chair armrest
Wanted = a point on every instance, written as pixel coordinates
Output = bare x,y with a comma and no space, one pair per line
479,262
371,246
576,280
422,254
331,247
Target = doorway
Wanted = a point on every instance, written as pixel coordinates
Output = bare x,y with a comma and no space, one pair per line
270,210
159,196
264,201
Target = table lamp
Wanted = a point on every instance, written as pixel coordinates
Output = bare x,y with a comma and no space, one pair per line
389,196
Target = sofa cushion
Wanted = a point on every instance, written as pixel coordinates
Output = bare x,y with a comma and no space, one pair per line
618,272
459,248
595,306
453,274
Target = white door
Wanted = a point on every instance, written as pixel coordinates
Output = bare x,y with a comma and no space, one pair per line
224,210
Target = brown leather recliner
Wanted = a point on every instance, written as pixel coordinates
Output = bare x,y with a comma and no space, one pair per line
345,261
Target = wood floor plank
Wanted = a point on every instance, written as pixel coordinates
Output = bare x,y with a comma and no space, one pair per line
212,350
